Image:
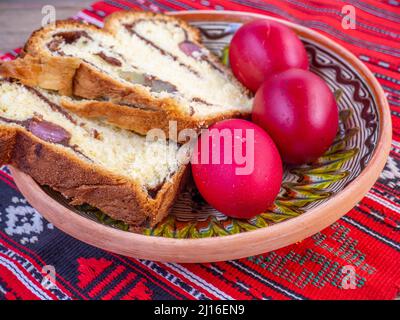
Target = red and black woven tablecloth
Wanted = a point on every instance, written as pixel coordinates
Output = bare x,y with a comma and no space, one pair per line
367,238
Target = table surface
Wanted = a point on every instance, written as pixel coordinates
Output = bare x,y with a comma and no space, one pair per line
15,29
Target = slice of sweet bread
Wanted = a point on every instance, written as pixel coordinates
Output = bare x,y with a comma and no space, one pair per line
123,174
136,63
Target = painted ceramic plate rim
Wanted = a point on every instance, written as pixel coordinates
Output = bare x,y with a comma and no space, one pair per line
231,246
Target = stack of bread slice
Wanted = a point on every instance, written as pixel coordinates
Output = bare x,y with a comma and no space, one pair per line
76,106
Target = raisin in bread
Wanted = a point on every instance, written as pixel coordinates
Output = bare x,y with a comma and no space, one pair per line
126,176
137,62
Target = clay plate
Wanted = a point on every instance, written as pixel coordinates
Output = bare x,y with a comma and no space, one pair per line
312,197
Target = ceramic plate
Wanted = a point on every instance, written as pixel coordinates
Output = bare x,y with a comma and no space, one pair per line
311,197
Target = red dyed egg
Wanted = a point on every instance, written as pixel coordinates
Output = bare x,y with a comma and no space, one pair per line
237,168
299,112
263,47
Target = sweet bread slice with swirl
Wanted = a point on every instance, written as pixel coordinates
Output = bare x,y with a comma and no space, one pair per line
136,63
125,175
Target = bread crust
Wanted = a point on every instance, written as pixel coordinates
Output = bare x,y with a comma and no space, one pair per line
82,182
52,73
111,22
72,76
136,119
142,120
